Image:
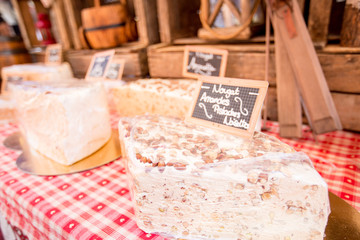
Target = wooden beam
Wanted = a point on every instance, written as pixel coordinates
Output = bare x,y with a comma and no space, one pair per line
318,21
288,97
74,23
319,106
166,21
147,24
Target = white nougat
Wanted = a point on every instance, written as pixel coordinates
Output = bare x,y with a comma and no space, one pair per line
191,182
39,71
154,96
63,121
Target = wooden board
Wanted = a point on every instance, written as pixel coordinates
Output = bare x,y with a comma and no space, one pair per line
340,67
318,21
319,106
288,96
60,24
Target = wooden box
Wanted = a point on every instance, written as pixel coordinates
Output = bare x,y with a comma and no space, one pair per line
134,53
340,66
180,19
244,60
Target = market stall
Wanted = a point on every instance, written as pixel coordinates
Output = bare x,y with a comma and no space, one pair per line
204,119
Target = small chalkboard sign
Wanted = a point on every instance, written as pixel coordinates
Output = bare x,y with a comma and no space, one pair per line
228,104
53,54
99,65
115,70
10,78
201,61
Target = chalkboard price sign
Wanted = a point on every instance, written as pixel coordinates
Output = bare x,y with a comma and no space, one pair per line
228,104
53,54
115,70
99,65
201,61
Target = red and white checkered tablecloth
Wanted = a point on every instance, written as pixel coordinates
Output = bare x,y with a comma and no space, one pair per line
96,204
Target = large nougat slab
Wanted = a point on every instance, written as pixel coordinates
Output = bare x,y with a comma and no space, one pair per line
154,96
63,121
195,183
36,72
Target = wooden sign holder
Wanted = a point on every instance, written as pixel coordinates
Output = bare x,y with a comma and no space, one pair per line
299,75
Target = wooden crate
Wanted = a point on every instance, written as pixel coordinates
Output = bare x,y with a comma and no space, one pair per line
25,11
133,54
144,11
180,19
340,66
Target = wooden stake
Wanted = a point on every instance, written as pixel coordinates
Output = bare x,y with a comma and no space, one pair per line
267,59
289,106
310,79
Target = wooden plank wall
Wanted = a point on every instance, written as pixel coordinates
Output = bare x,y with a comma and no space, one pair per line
248,61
